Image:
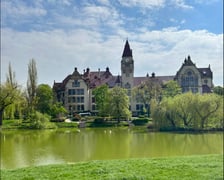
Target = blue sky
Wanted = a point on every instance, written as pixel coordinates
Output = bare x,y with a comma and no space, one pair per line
63,34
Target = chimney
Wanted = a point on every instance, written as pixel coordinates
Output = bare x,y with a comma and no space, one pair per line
153,75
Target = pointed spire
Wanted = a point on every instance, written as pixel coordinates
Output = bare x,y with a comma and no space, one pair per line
127,51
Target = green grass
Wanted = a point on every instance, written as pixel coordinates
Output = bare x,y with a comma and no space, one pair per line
190,167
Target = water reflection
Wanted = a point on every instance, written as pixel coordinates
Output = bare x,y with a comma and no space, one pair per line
29,148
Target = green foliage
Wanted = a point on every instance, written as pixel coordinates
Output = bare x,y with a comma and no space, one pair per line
218,90
171,89
9,96
40,121
57,110
44,95
140,121
112,102
101,97
188,111
119,103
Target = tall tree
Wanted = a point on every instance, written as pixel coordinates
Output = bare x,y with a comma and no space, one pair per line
101,98
32,85
119,103
44,95
146,91
8,92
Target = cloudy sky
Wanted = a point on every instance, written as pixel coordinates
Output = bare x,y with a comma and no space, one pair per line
63,34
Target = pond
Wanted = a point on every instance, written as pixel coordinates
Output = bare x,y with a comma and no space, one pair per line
22,148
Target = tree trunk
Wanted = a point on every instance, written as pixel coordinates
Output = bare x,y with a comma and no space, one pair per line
1,116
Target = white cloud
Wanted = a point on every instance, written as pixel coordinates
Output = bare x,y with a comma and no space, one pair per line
20,9
57,52
181,4
142,3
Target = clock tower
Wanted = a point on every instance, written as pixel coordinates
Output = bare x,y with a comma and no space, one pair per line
127,68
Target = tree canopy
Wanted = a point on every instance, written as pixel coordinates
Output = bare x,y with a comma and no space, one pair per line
119,103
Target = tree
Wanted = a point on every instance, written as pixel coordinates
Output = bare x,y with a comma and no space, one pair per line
171,89
101,98
8,92
119,103
188,110
218,90
44,95
31,85
57,110
184,108
146,91
205,106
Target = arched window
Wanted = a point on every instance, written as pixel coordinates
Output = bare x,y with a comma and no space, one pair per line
189,81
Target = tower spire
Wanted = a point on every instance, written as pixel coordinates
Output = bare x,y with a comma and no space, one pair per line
127,51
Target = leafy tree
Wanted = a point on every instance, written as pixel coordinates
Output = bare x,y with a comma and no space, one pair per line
101,98
8,92
57,110
119,103
188,111
146,91
44,95
205,106
218,90
184,108
171,89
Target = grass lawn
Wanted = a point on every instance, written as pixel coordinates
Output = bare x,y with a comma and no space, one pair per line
188,167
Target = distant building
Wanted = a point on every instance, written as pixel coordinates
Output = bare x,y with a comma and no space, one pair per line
191,78
75,91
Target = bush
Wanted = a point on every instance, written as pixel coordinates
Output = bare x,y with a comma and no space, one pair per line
140,121
99,120
40,121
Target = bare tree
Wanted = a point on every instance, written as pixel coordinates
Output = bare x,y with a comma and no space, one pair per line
31,85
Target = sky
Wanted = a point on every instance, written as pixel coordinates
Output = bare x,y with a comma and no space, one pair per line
63,34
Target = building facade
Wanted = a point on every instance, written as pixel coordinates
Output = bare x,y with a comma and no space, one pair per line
75,91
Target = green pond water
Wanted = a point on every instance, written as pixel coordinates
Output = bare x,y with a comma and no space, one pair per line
22,148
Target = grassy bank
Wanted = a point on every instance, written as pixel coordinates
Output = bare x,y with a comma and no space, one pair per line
189,167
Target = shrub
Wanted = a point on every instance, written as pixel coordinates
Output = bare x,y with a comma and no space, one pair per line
40,121
140,121
99,120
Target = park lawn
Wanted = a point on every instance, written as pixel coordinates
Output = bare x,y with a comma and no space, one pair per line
184,167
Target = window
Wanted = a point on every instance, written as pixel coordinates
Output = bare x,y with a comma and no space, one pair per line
93,107
71,92
76,83
189,79
76,92
139,107
127,86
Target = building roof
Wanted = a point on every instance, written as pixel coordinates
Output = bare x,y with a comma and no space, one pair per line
205,72
127,51
162,79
